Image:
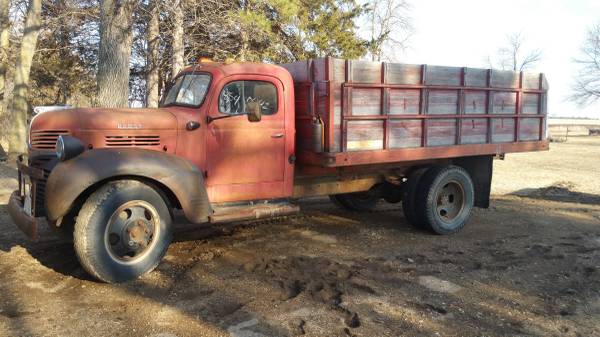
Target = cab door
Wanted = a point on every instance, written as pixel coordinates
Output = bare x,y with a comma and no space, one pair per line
246,160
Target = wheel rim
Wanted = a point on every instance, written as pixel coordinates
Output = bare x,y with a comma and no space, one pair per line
132,231
450,201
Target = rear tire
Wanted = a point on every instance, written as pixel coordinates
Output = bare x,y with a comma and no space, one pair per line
444,199
122,231
409,197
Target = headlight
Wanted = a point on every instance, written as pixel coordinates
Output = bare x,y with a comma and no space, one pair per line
68,147
60,148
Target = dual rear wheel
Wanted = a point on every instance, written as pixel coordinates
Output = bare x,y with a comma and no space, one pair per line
438,199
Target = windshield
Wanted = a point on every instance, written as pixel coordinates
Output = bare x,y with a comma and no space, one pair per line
188,89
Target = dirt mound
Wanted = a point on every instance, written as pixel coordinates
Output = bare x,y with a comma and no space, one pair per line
317,278
564,191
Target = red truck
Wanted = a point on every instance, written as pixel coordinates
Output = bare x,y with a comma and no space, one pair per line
242,141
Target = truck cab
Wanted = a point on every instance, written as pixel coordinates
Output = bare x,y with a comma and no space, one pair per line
242,158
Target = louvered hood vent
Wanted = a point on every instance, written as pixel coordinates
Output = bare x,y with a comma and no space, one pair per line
132,141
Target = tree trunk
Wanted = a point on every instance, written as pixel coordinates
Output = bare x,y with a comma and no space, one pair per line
5,27
373,47
178,47
152,90
19,106
244,45
116,19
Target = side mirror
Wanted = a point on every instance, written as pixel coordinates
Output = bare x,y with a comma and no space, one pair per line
253,112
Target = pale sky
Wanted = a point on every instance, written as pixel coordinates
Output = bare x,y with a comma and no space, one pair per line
463,32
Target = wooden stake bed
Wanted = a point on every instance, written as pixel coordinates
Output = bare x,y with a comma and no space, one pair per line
376,112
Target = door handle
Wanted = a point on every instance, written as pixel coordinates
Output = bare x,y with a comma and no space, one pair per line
277,135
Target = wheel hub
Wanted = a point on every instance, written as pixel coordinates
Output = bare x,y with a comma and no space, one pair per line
450,201
137,233
131,230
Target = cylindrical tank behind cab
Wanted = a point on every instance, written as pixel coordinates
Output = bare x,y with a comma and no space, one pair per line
317,135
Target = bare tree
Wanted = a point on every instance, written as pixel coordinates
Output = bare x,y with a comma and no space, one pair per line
178,45
114,54
514,56
5,27
19,106
586,89
390,28
152,56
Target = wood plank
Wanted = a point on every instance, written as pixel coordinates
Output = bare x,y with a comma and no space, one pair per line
298,70
364,135
531,103
438,75
442,102
441,132
531,81
504,102
529,129
320,69
339,70
505,79
474,131
366,102
503,130
398,73
337,117
404,101
475,77
475,102
329,128
405,133
366,72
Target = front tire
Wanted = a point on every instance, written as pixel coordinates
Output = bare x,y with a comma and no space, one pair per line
122,231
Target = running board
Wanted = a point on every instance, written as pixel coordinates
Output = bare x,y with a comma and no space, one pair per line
252,212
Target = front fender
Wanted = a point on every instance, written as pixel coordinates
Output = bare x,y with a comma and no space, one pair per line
69,179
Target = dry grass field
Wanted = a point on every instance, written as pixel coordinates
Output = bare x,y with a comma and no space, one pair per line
527,266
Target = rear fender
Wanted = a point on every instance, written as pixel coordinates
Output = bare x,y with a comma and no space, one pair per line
72,178
480,169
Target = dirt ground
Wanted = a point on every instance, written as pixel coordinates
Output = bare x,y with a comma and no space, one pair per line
529,266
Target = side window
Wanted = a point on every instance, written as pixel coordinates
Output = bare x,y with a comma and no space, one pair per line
235,95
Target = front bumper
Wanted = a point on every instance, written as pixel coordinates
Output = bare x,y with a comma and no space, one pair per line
27,223
25,220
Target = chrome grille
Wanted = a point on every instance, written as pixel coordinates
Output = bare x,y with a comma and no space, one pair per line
45,139
132,141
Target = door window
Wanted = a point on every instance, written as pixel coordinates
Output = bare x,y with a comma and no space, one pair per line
235,95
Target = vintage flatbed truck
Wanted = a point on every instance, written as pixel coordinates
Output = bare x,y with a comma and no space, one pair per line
242,141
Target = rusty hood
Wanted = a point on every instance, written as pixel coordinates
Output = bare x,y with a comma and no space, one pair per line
105,119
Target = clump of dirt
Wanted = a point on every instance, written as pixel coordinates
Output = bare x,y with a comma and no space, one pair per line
564,191
560,188
317,278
